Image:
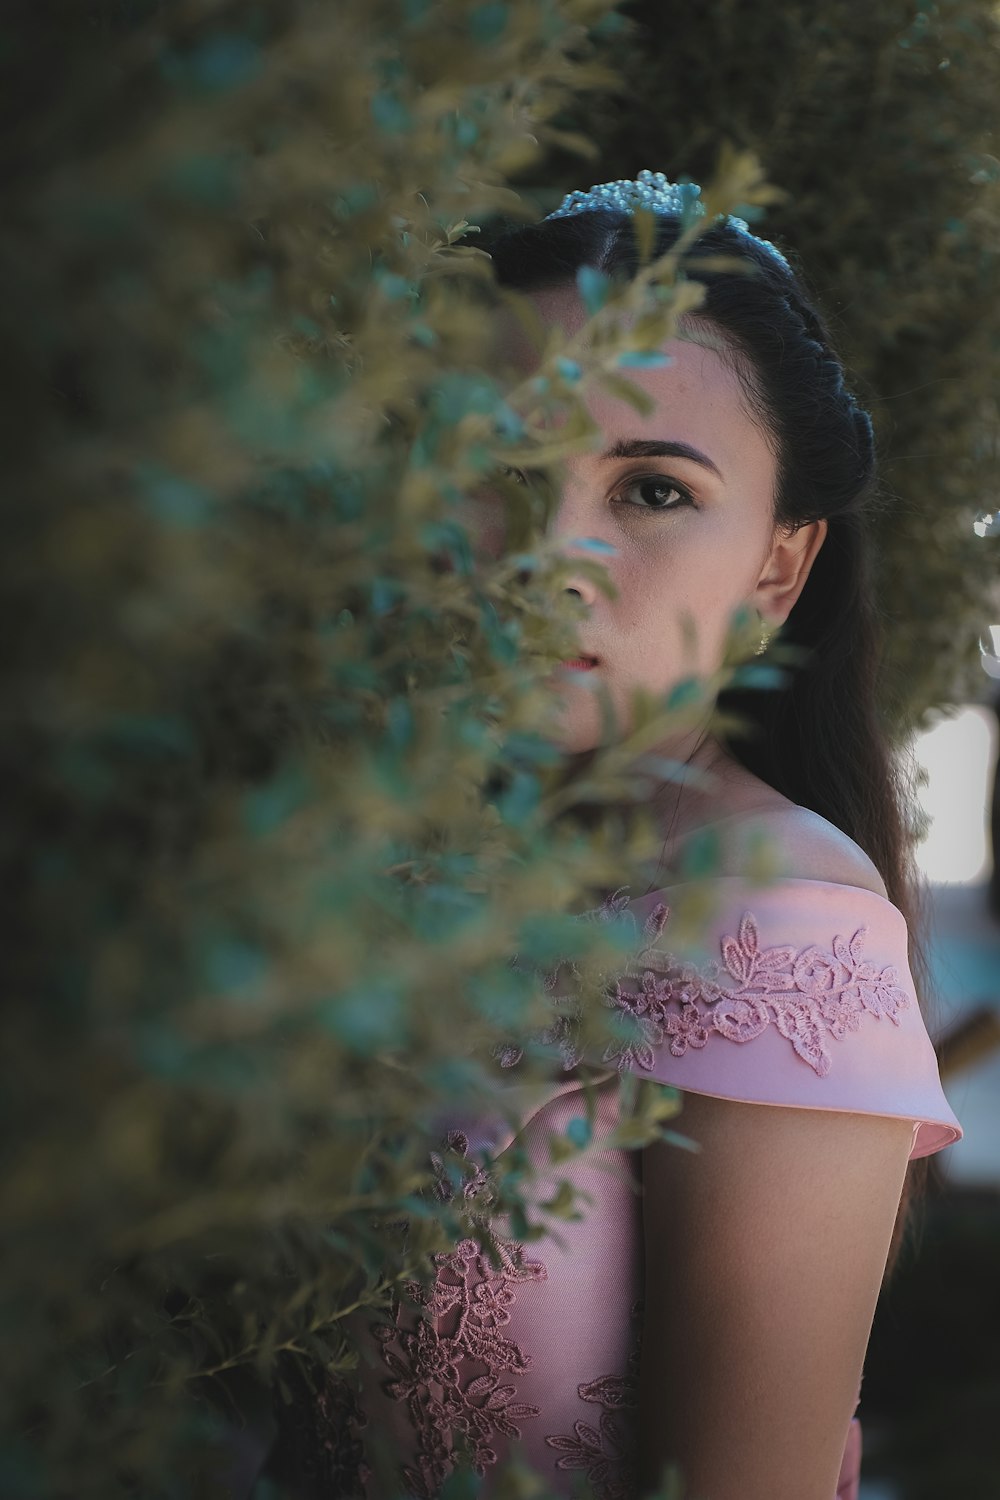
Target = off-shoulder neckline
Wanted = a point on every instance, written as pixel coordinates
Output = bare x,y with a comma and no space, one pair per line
763,887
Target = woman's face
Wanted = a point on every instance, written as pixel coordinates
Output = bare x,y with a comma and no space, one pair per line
692,530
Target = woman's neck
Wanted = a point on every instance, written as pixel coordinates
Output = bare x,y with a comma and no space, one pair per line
713,788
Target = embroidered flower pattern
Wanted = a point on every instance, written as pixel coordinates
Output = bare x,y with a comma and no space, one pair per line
453,1381
810,996
607,1451
687,1030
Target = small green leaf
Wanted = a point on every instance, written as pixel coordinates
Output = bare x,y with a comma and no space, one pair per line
759,675
560,1148
593,286
652,359
595,544
569,369
644,223
701,853
674,1139
627,391
562,1201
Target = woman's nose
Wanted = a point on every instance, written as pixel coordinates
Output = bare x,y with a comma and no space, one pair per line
571,529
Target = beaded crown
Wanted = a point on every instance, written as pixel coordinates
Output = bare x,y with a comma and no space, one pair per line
652,190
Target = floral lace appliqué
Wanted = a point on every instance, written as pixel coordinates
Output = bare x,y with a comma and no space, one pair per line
430,1368
607,1451
810,995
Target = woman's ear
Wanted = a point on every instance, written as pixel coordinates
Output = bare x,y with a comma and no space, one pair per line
786,570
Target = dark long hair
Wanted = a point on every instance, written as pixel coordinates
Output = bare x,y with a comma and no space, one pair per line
820,739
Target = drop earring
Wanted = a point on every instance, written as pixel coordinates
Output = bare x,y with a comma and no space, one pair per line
765,635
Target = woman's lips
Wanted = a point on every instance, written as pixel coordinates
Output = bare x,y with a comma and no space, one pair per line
580,663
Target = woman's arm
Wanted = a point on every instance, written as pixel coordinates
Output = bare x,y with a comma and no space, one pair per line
764,1258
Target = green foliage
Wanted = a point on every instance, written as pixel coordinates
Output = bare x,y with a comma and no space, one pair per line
880,122
263,900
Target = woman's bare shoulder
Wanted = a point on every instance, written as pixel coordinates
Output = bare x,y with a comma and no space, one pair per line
806,846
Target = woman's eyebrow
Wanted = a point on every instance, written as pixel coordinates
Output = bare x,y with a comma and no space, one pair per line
658,448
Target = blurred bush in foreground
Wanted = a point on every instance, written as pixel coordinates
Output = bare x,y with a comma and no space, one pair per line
281,802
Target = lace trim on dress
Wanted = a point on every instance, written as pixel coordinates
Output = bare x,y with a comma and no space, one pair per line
810,995
607,1451
430,1369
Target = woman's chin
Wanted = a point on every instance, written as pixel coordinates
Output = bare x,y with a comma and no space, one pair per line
575,723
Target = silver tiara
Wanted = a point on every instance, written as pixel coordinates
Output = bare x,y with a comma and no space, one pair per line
652,190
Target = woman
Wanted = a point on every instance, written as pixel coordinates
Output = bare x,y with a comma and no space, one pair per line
711,1309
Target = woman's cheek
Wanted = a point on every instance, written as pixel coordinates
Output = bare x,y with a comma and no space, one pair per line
483,519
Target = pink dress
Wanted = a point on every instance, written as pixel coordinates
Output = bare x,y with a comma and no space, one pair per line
798,993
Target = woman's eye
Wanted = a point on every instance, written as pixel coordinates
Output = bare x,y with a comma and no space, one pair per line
652,483
659,484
